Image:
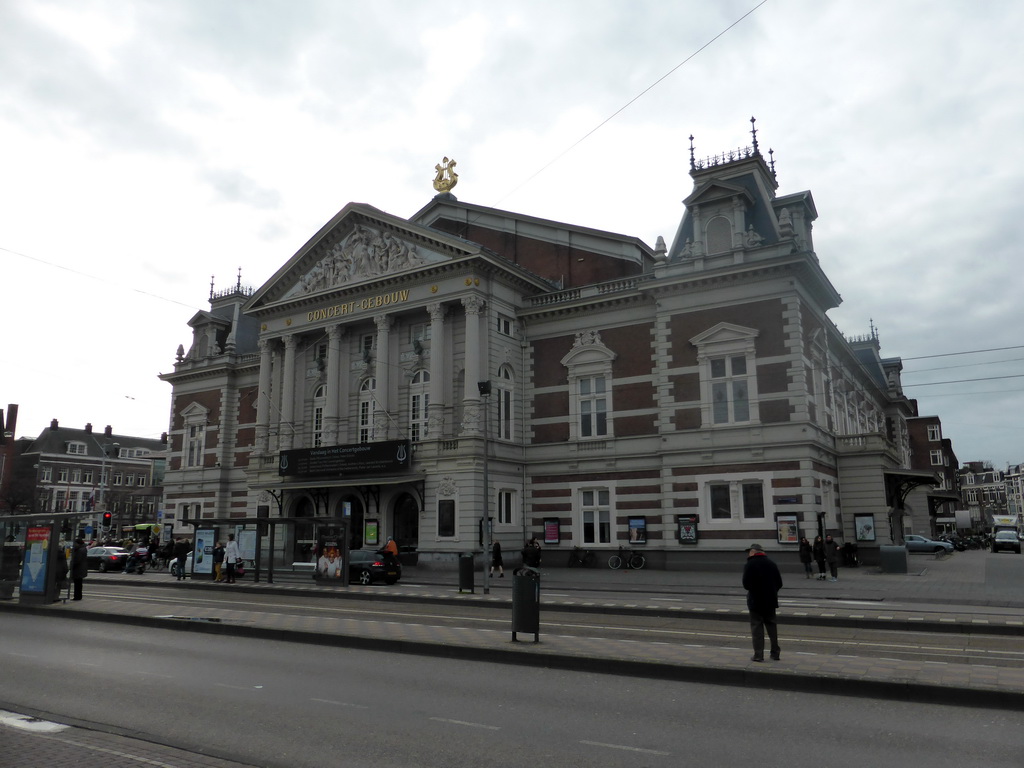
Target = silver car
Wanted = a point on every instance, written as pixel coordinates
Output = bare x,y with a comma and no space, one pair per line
917,543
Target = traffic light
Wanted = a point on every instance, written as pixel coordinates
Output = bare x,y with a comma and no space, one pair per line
106,522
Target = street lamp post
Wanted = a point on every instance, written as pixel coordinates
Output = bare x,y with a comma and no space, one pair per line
485,392
104,480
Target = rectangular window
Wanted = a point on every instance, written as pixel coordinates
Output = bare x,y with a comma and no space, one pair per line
194,446
367,343
117,478
721,505
504,414
76,448
76,476
62,475
597,528
593,407
318,426
419,332
505,325
729,393
753,501
129,479
937,458
934,433
506,506
418,405
141,481
47,475
446,518
365,421
87,476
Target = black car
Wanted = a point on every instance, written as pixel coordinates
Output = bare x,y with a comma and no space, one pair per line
366,566
1006,540
106,558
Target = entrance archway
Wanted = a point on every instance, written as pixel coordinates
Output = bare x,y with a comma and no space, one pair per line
405,522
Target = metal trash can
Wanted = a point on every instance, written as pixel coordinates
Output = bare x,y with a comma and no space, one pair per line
466,564
526,606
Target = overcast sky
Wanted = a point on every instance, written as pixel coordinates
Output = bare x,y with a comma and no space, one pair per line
145,146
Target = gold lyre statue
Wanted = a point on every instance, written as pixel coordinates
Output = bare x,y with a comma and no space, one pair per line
446,177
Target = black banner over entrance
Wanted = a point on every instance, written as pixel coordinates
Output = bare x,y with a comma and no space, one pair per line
356,459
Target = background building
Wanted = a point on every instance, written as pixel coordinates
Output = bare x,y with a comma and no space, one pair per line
686,399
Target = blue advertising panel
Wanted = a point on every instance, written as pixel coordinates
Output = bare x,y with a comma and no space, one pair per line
37,554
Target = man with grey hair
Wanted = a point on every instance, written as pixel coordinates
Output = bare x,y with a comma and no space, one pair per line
762,580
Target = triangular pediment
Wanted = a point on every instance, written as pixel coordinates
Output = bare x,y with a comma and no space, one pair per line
715,191
724,333
361,244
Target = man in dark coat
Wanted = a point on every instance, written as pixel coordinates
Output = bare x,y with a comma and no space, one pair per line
762,580
79,566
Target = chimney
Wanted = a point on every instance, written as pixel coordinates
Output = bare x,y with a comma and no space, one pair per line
53,424
88,429
108,432
163,438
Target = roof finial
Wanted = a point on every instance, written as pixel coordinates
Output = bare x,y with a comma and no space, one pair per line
753,131
693,163
238,285
211,287
771,155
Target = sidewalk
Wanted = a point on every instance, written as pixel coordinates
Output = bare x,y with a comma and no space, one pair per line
946,594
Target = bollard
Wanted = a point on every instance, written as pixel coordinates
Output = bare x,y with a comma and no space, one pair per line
466,572
526,606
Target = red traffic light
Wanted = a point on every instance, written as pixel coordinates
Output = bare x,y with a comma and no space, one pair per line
106,520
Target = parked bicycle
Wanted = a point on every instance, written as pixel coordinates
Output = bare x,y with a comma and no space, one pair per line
581,557
627,558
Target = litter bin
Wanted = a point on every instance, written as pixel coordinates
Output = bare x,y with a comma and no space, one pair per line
526,606
466,572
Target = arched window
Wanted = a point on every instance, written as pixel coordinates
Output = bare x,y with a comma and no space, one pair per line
318,416
506,392
419,400
367,407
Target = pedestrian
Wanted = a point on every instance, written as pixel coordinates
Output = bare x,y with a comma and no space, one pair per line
218,561
181,550
806,555
79,566
762,580
832,557
496,561
232,557
819,556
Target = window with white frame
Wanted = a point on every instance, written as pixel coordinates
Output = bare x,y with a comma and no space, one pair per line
419,401
319,400
76,476
87,476
595,515
194,444
934,433
47,476
76,448
129,479
367,408
140,481
589,365
62,475
117,478
735,500
506,388
419,332
728,381
506,504
367,342
937,457
506,326
592,400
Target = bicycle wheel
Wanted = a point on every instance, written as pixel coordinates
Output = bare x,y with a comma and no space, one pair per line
637,561
615,562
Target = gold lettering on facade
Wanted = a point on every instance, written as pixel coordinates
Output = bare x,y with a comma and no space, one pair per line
348,308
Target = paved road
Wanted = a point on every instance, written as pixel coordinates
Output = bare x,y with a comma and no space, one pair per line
972,593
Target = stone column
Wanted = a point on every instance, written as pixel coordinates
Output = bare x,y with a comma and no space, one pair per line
440,365
288,393
333,385
382,369
471,424
263,400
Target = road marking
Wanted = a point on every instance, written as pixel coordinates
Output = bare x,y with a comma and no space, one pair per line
626,748
33,724
466,723
239,687
341,703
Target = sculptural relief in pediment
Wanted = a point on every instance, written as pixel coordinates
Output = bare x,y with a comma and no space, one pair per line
364,253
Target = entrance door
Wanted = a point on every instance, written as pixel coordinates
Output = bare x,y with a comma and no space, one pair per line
406,522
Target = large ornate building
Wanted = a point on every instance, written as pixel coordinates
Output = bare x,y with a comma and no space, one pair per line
579,385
